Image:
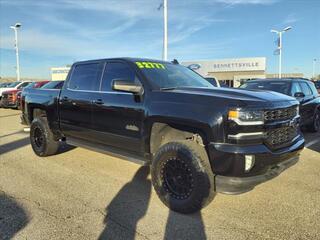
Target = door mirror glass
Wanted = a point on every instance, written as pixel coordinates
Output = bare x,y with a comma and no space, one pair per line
127,86
299,95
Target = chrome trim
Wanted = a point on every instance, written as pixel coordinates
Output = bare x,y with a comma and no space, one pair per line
252,135
242,123
112,92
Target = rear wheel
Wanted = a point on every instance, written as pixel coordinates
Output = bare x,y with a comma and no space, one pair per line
42,139
315,126
182,176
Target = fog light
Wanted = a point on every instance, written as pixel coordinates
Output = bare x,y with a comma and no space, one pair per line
249,162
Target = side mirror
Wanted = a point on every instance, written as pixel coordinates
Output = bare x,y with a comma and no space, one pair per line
299,95
194,66
127,86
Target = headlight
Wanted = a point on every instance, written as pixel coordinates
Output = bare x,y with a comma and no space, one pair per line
246,117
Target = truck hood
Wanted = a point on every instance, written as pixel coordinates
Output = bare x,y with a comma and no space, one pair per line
239,94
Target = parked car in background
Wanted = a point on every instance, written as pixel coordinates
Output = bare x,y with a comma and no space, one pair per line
4,85
53,85
38,84
303,90
214,82
11,87
317,85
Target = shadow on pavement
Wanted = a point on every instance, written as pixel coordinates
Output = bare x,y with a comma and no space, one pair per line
63,147
8,147
13,217
131,204
128,207
312,141
315,147
181,226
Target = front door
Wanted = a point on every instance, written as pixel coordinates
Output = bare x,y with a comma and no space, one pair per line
118,116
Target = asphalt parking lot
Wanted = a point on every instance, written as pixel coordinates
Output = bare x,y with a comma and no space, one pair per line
79,194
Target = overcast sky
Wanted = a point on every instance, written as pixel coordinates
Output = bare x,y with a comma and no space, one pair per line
59,32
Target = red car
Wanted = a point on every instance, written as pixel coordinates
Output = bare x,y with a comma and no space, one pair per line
11,98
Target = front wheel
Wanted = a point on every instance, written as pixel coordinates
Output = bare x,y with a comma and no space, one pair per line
182,176
42,139
315,126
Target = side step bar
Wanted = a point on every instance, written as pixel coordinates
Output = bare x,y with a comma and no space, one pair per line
112,151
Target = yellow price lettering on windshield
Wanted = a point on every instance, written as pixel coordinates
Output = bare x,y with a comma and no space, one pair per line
150,65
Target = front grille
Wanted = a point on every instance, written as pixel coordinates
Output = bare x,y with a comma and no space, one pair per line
280,136
280,114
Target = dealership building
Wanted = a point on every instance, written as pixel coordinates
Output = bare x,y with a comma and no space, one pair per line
59,73
233,71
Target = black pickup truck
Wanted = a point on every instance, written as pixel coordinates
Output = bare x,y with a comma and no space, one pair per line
198,139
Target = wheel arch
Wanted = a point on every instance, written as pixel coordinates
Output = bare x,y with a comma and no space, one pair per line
162,133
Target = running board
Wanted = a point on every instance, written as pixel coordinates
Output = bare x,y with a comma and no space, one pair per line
112,151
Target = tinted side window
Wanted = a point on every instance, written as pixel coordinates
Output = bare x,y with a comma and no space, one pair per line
116,70
305,89
295,88
23,85
86,77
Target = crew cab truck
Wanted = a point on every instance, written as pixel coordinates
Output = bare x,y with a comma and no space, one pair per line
197,139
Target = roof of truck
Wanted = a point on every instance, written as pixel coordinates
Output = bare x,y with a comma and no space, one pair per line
129,59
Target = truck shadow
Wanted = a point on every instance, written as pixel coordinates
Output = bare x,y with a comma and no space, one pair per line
181,226
128,207
13,217
131,204
312,141
63,147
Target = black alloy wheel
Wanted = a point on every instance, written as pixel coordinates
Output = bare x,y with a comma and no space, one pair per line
178,178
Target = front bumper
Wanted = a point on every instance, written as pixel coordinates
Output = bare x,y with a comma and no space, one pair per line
238,185
228,164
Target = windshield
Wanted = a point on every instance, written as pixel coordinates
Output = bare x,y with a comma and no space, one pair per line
12,85
281,87
52,85
167,75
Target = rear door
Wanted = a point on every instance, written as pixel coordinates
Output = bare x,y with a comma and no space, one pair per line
76,100
118,116
307,108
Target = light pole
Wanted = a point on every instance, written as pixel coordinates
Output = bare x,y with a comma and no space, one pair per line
15,28
280,46
164,5
313,67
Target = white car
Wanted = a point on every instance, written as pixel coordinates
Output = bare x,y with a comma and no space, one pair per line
13,86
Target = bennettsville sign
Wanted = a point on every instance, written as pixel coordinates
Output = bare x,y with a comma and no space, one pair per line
232,65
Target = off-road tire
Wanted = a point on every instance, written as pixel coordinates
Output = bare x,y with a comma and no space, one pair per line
315,126
198,190
42,139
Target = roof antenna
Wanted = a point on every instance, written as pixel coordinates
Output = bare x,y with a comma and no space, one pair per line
175,61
